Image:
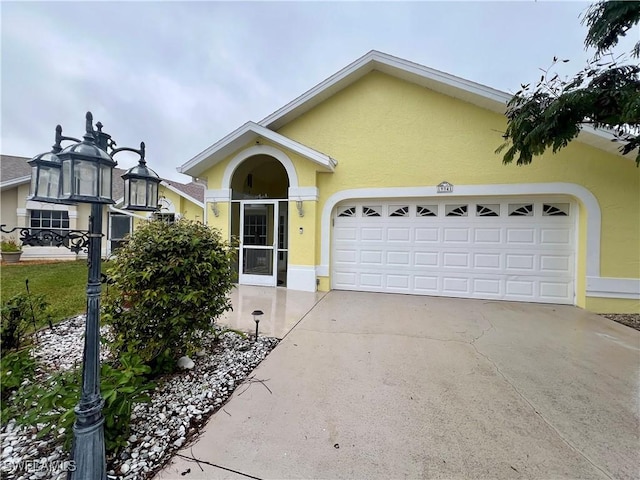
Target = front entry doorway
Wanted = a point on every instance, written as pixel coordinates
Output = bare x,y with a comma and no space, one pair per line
263,242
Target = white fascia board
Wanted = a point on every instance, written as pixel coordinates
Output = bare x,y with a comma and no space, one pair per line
602,139
182,194
243,135
15,182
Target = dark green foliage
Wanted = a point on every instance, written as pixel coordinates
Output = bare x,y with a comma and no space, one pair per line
605,94
168,285
18,313
121,387
608,21
52,402
16,363
15,366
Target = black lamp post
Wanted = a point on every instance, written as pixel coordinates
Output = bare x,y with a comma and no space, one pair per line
82,173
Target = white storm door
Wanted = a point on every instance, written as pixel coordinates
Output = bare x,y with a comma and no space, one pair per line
258,234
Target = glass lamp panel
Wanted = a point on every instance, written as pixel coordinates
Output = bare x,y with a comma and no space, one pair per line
34,180
48,182
86,177
66,177
106,181
152,199
138,192
54,175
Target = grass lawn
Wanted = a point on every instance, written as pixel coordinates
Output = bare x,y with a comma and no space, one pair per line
63,284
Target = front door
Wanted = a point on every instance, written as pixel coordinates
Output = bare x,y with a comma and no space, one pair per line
258,234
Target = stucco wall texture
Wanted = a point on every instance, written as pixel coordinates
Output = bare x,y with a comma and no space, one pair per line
387,132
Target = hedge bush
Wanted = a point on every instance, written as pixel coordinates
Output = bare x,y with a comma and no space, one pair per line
167,286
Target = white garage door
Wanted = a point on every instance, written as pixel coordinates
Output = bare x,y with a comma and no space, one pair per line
510,249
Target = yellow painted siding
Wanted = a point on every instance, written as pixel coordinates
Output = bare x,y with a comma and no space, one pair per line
223,221
302,244
385,132
8,206
612,305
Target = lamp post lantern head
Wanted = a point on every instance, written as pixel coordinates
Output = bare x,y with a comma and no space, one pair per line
46,170
87,170
46,173
141,186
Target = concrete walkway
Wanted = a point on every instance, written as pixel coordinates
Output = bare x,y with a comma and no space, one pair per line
373,386
282,309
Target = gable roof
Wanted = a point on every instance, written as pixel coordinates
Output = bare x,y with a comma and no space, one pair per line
430,78
457,87
240,137
447,84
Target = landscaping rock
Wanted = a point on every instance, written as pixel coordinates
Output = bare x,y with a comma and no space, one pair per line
185,363
179,406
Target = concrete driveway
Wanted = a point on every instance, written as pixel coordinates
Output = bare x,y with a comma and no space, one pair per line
373,386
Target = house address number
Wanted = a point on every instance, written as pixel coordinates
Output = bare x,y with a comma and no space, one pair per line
445,187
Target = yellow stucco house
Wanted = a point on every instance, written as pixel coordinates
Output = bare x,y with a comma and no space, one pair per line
176,200
383,178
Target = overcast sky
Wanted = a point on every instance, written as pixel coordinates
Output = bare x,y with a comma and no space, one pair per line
181,75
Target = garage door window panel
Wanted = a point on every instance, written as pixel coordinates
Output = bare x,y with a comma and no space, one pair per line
372,211
398,211
347,211
456,210
521,210
492,210
555,209
427,211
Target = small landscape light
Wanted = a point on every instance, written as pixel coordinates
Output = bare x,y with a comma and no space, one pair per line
256,318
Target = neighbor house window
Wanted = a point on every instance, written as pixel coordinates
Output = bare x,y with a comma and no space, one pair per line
57,221
120,227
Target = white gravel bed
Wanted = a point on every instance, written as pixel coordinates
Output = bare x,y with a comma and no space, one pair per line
61,348
179,407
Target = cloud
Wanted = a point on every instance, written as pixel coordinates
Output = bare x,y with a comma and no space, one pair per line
181,75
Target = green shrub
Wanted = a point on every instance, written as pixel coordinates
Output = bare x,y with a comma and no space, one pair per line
168,285
15,366
52,402
17,314
122,386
